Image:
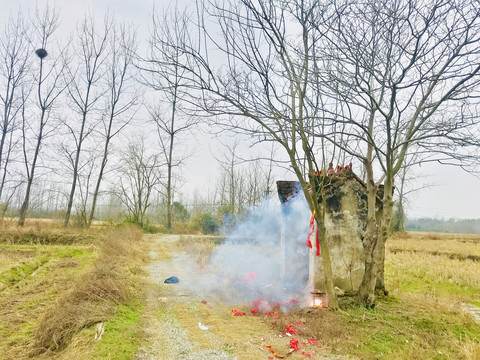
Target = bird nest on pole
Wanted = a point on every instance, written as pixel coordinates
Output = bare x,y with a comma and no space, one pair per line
41,53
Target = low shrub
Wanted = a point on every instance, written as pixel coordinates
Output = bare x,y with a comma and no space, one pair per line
145,226
206,223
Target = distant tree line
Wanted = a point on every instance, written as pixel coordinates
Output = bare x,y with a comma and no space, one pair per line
454,226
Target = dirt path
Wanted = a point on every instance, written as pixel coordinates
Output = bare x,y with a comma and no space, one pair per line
172,312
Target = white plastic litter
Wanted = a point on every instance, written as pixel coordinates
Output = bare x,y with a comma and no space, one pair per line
202,327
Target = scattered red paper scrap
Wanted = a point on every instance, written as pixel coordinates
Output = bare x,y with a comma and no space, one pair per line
237,313
294,344
205,303
306,354
313,341
277,356
254,311
290,329
273,313
293,301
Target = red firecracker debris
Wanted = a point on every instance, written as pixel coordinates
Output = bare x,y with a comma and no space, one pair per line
273,313
290,329
205,303
254,311
293,301
294,344
306,354
237,313
313,229
313,341
277,356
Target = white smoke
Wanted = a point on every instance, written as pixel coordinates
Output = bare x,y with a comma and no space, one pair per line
250,265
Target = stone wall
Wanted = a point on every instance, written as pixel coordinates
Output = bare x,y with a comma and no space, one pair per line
345,222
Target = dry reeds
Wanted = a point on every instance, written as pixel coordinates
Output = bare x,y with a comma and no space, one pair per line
94,297
44,233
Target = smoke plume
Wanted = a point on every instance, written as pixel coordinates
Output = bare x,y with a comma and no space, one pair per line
250,264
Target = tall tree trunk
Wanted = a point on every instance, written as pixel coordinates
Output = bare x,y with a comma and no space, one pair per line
75,170
170,163
386,217
326,260
366,291
26,201
31,173
4,170
100,175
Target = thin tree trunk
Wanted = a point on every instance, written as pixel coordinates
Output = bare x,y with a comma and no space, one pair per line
31,174
366,291
26,201
326,260
386,218
75,170
7,160
170,164
100,175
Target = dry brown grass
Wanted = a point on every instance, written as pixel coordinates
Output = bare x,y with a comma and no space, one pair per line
433,270
42,231
418,235
454,246
447,266
471,349
24,302
94,297
10,258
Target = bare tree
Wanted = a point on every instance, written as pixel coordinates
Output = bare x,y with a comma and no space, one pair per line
85,91
14,69
122,97
49,86
163,73
139,177
407,74
256,79
242,182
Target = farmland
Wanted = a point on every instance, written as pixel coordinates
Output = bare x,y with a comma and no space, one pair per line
54,293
